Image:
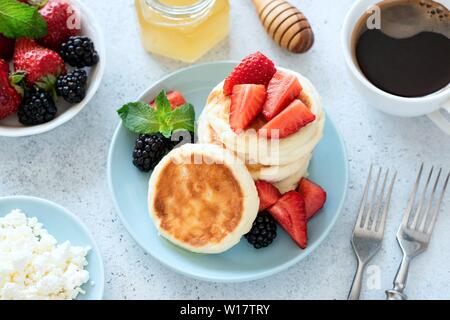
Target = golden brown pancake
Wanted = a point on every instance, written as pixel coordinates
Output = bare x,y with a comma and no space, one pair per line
202,198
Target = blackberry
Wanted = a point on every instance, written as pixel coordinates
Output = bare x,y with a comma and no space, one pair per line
79,52
149,150
37,107
263,232
72,87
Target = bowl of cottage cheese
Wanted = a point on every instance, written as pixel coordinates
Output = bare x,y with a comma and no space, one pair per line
46,253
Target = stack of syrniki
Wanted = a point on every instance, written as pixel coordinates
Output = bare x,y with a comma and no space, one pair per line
283,161
260,124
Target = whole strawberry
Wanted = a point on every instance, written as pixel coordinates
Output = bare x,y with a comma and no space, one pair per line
6,47
253,69
37,62
62,23
9,97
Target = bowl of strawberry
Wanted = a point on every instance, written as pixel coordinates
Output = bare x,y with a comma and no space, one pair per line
51,64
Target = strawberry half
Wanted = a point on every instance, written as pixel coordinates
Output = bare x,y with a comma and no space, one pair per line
6,47
62,23
175,98
253,69
38,62
282,90
268,194
247,101
288,122
315,197
290,213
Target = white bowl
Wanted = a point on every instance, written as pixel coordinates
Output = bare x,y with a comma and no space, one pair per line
11,127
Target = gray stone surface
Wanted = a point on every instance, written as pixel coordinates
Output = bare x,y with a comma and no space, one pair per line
68,165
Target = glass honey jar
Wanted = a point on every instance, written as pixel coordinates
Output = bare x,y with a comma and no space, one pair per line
182,29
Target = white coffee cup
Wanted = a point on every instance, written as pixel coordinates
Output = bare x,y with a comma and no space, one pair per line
433,105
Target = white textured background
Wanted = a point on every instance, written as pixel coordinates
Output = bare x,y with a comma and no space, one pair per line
68,165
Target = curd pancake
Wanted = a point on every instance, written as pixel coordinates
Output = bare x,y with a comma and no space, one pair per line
202,198
291,182
258,171
206,134
258,149
277,173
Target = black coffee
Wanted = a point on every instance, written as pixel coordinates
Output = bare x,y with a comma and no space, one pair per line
413,66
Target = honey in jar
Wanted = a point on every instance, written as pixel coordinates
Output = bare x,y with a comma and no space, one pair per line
182,29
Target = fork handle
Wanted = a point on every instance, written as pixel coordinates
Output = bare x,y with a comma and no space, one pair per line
400,281
355,291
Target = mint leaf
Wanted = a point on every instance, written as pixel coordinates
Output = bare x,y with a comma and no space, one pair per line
19,20
182,118
163,110
165,130
139,117
162,105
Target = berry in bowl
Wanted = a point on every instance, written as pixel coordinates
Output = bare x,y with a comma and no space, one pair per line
50,65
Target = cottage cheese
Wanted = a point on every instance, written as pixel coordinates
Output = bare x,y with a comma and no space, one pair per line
34,266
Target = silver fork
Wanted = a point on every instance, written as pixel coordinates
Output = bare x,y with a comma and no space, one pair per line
416,228
369,227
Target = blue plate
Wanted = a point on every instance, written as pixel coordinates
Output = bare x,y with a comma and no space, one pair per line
241,263
63,225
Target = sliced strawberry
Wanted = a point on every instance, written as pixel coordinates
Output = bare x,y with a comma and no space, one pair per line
253,69
247,101
290,213
282,90
288,122
175,98
268,194
315,196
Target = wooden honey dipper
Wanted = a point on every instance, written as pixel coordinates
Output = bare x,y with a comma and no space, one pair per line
285,24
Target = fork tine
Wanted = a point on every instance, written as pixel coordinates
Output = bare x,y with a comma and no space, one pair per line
364,200
378,206
412,199
419,212
387,205
438,207
372,202
428,211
